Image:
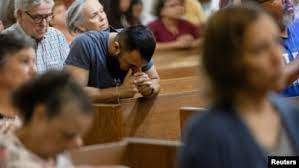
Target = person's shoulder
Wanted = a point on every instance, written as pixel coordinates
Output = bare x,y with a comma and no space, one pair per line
155,23
93,36
294,26
213,122
11,29
53,31
186,23
8,140
288,107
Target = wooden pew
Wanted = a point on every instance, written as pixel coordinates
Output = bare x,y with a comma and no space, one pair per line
175,85
176,58
156,118
178,72
131,152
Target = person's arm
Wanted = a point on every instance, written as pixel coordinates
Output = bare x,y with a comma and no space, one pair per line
126,90
291,73
182,42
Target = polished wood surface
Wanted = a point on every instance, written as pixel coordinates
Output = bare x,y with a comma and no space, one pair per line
179,72
106,126
156,118
176,59
175,85
131,152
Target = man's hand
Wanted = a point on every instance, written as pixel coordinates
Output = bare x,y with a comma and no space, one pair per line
143,83
128,88
184,41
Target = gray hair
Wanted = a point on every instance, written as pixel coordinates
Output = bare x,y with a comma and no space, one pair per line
74,16
26,5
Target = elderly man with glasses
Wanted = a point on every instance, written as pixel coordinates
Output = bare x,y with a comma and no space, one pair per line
33,17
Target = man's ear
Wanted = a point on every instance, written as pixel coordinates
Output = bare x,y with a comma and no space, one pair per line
19,14
39,112
116,47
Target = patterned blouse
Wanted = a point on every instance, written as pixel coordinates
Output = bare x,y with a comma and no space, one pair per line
14,155
9,124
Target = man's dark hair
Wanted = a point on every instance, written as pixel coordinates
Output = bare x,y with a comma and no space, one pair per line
53,89
12,43
138,38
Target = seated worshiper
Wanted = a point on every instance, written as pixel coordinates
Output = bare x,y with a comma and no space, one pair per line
7,12
115,65
33,18
55,112
170,30
59,19
133,15
1,26
86,15
245,122
289,34
194,12
16,67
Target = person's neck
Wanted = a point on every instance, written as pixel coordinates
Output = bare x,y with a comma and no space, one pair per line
6,108
112,38
247,102
284,33
168,22
60,27
29,141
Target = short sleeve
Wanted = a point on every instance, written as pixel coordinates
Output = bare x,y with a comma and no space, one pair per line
79,54
148,66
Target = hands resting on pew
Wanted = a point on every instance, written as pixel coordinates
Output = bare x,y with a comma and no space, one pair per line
137,82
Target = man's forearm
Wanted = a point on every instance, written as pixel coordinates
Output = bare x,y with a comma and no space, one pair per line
109,95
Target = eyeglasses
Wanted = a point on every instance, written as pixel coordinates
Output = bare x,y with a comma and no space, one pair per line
39,18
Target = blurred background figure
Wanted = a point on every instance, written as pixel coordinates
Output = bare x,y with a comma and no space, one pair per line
1,26
86,15
194,12
116,12
210,6
246,122
59,19
55,112
133,15
283,13
17,66
170,30
7,13
68,3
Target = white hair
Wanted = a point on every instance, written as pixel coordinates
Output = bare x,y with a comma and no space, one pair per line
26,5
75,16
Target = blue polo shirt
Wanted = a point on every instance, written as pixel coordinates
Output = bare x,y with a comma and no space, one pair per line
291,51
